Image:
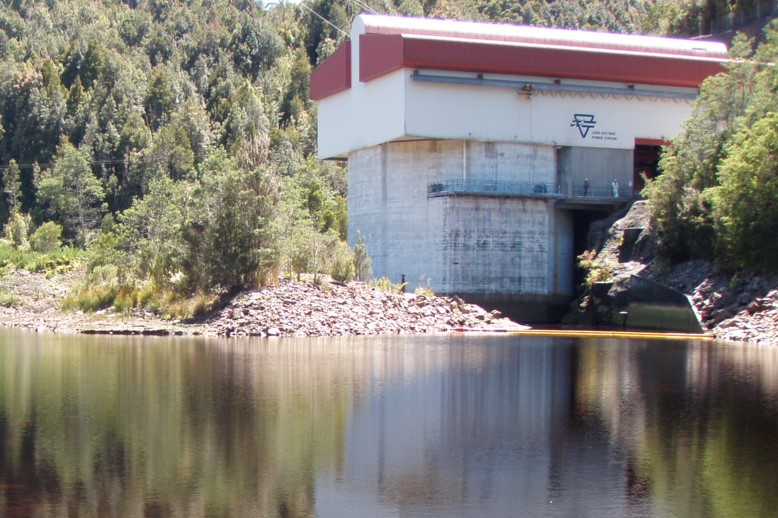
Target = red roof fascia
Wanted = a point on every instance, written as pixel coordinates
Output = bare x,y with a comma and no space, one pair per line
651,142
381,54
333,75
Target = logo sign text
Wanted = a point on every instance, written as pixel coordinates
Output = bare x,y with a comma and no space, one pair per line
584,122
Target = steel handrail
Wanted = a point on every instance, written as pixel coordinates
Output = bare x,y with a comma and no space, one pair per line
526,189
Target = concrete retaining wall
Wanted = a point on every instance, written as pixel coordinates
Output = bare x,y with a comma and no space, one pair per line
655,306
461,244
495,245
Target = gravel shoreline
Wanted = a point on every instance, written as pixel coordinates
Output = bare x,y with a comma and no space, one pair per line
742,309
288,309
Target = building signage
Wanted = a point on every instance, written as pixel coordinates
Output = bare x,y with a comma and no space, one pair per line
586,123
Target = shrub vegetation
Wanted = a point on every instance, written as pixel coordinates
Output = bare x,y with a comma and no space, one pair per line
717,194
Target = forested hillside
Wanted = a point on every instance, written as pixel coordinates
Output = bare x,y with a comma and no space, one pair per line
176,141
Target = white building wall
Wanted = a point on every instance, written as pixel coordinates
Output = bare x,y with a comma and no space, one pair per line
395,107
366,115
453,111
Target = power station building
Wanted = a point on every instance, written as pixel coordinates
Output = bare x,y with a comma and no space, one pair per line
478,154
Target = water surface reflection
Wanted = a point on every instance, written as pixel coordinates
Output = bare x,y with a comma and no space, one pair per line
387,426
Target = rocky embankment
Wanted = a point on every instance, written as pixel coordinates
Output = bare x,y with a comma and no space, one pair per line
741,306
353,308
288,309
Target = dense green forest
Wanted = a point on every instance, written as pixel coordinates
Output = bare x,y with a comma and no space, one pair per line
175,141
718,192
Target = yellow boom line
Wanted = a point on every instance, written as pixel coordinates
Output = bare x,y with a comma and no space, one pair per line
578,333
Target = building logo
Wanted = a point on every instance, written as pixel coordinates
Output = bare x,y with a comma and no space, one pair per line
584,122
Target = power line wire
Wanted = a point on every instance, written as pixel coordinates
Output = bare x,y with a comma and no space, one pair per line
364,6
322,18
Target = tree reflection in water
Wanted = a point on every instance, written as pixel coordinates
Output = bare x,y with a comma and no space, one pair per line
460,426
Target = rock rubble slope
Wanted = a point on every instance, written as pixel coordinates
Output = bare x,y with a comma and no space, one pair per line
354,308
288,309
741,307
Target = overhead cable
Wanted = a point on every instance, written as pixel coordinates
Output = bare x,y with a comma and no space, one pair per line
322,18
364,6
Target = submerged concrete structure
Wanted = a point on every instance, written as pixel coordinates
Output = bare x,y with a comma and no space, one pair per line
478,154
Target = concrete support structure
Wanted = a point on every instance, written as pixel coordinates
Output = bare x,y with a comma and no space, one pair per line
478,246
472,149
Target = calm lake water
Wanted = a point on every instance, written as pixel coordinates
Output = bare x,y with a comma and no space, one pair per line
486,426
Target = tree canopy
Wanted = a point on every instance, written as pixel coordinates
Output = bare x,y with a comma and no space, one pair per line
717,193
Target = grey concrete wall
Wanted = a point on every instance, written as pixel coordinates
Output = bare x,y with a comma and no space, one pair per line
600,166
460,244
561,245
495,245
388,205
510,162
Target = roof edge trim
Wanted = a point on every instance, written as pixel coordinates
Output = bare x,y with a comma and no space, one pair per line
380,54
381,24
333,75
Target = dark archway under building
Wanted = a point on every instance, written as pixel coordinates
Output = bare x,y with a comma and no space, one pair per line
645,162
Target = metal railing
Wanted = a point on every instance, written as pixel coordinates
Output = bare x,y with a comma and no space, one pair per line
593,194
493,188
599,192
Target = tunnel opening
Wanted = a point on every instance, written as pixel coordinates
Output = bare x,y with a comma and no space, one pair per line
645,163
582,222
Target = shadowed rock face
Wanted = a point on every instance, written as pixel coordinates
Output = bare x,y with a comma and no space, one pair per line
734,306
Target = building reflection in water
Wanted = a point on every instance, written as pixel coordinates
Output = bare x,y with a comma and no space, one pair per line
554,427
490,429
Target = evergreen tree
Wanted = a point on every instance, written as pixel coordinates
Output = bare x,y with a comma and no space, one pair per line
230,237
746,202
717,192
12,186
71,194
681,211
